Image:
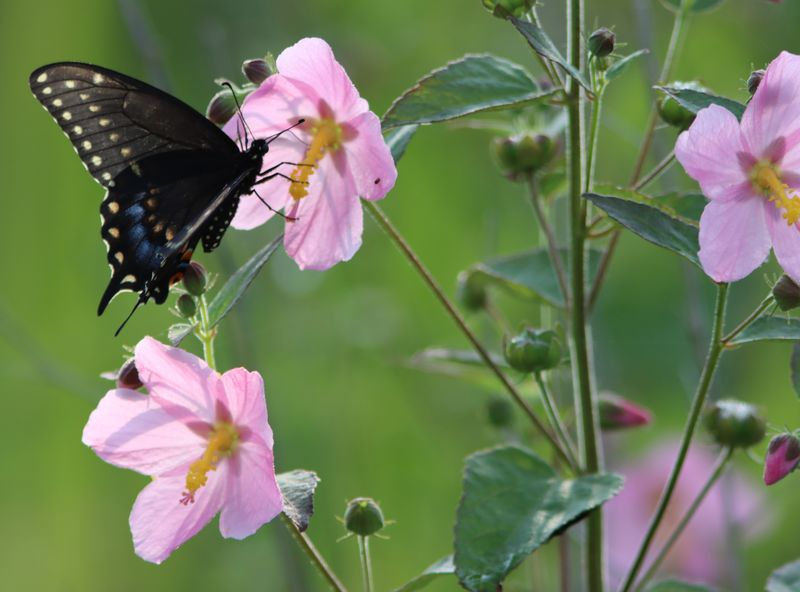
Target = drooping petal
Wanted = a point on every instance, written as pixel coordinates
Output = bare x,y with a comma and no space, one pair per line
369,158
252,497
244,397
130,430
774,111
310,63
160,523
785,243
182,382
711,152
330,221
733,238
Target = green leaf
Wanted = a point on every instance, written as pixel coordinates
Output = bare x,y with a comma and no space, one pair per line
677,586
443,567
651,224
237,284
688,206
472,84
769,328
398,139
785,579
513,502
178,332
694,5
794,364
622,64
695,100
530,274
297,489
544,46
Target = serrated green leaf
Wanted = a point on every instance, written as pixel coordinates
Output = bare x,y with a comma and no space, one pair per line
544,46
297,490
785,579
443,567
652,224
677,586
530,274
398,139
233,290
695,100
472,84
769,328
622,64
512,503
687,206
694,5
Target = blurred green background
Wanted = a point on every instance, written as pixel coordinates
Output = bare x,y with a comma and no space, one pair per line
332,346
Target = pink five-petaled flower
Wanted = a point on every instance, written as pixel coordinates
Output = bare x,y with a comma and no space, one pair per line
202,436
751,173
335,156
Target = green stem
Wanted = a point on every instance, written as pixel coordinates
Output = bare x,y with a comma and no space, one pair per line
433,285
547,231
765,304
555,418
716,473
594,129
656,171
715,349
366,563
311,551
206,333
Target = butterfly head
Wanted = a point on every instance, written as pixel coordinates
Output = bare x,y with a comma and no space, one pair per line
258,149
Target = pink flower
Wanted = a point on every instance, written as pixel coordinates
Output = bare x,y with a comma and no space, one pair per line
699,554
751,173
337,155
783,456
203,437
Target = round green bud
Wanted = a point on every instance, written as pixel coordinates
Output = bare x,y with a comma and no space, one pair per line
500,412
363,516
601,42
533,350
672,112
786,293
754,80
256,71
471,290
195,279
187,306
500,8
523,154
735,424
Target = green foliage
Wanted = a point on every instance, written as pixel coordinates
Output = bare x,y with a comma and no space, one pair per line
785,579
398,139
677,586
297,489
443,567
695,100
618,67
769,328
512,503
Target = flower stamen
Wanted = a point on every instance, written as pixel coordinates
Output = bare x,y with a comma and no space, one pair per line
222,441
326,136
767,181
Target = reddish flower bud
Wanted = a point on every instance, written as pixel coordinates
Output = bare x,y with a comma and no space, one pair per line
256,71
617,413
195,279
128,376
783,456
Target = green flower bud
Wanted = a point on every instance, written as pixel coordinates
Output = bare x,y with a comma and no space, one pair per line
601,42
221,107
500,8
735,424
500,412
363,516
523,154
786,293
195,279
256,71
672,112
471,290
754,80
187,306
533,350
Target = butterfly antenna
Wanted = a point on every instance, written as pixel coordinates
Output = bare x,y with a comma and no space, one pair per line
239,112
274,211
128,318
277,135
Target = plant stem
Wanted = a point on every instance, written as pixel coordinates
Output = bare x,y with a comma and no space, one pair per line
552,245
716,473
205,333
750,318
432,284
594,128
555,418
366,563
656,171
316,559
715,349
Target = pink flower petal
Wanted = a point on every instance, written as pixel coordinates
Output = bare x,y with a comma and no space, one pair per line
130,430
710,153
160,523
243,392
369,158
733,238
785,242
310,63
330,220
177,379
774,110
252,497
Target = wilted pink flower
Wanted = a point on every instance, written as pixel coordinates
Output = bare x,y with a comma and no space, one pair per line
616,413
751,173
335,156
783,456
203,437
699,554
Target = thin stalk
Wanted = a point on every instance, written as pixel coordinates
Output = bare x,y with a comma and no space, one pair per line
656,171
716,473
765,304
715,349
433,285
316,558
602,269
205,333
366,563
555,418
552,245
594,129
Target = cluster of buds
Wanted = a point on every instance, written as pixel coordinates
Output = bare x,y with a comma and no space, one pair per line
523,154
223,104
195,282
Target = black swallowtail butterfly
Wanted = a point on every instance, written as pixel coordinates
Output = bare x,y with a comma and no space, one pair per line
172,177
